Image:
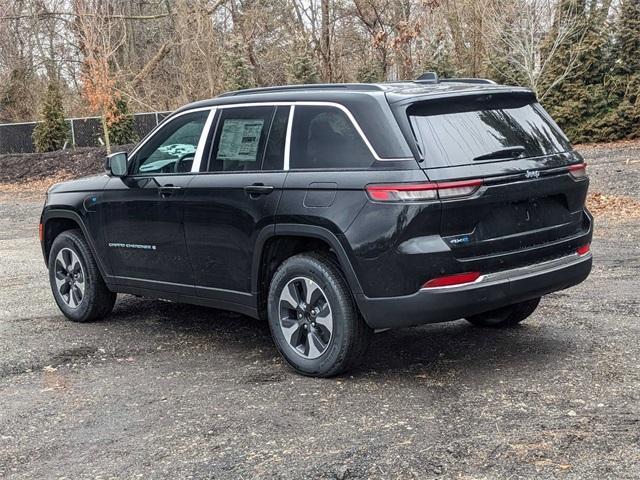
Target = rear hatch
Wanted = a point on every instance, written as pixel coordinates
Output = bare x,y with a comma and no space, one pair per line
529,207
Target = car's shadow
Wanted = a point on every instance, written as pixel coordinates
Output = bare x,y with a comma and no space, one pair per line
439,349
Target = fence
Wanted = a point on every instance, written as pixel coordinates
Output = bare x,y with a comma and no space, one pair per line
83,132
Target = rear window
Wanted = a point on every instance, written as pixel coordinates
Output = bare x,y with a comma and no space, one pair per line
487,128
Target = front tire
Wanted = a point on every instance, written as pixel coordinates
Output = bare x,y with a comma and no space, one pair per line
76,283
313,318
505,317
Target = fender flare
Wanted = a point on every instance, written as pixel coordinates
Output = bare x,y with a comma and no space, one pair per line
55,213
311,231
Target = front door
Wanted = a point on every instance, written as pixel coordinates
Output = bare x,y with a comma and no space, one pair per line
143,213
234,199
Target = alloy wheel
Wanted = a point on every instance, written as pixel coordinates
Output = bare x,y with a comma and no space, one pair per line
305,317
70,277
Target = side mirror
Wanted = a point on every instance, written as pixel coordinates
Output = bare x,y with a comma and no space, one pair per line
116,164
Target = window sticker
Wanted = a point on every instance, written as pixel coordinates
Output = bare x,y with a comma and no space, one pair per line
239,140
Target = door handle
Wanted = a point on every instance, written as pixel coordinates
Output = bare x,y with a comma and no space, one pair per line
258,189
168,190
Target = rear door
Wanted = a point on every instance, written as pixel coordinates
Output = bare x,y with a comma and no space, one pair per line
329,165
528,199
234,198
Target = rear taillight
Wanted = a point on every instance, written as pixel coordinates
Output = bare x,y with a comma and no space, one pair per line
416,192
584,249
451,280
578,171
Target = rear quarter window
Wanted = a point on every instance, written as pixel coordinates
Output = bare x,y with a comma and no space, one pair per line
324,137
452,132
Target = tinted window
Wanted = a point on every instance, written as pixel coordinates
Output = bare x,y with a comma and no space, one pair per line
274,155
324,137
240,139
173,147
459,132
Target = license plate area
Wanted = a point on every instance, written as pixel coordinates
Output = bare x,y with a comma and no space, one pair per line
497,221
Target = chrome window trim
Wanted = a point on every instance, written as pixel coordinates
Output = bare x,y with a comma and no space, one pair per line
166,121
197,160
287,151
287,139
339,106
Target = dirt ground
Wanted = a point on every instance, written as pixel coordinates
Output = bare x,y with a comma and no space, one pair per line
161,390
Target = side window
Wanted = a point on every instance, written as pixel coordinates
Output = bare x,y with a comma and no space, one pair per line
240,139
172,148
274,155
324,137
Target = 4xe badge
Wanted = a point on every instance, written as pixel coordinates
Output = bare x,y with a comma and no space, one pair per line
532,174
460,240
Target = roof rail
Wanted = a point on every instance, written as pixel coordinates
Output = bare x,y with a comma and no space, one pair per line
467,80
432,77
313,86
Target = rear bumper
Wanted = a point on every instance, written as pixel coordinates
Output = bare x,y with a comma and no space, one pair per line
488,292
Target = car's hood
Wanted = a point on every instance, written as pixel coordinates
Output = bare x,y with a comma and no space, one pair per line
91,183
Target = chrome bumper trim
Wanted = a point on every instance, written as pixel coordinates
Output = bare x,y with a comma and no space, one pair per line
519,273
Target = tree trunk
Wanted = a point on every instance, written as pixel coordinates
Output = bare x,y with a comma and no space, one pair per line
325,43
105,130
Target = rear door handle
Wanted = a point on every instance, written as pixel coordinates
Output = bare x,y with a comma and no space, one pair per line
258,189
168,190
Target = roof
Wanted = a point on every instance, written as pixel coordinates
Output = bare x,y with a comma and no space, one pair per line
340,92
371,104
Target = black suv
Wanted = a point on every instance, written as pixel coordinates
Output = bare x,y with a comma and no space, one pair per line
332,211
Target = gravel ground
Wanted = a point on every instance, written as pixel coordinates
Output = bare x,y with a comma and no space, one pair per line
160,390
614,168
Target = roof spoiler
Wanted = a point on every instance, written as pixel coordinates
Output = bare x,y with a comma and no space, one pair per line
432,77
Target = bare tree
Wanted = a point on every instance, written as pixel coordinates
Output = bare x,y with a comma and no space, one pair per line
100,37
160,54
528,35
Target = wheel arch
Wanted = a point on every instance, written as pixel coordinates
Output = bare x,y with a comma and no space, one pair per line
56,221
286,240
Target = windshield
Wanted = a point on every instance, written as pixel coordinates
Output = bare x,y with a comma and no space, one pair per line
466,130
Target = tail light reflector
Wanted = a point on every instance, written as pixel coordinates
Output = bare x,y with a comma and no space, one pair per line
449,280
415,192
41,232
403,193
584,249
578,171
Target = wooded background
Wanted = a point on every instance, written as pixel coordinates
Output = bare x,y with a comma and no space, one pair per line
581,57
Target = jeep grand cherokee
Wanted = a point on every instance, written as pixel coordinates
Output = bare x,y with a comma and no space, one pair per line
332,211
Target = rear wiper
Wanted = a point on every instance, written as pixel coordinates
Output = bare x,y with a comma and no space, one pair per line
509,152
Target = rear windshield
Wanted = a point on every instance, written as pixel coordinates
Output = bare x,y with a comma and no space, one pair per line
487,128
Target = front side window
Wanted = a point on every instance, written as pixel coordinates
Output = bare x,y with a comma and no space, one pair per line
172,148
324,137
240,139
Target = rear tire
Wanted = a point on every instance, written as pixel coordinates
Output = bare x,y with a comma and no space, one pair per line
76,283
313,318
506,316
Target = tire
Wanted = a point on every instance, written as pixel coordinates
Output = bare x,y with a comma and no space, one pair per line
76,283
505,317
325,343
